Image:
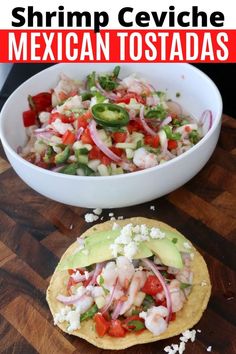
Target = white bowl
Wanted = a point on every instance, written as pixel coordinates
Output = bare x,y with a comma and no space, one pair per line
197,93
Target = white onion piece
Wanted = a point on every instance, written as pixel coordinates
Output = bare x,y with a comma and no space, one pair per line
149,130
174,107
166,121
117,310
206,121
97,271
163,140
110,299
79,133
97,140
132,114
159,276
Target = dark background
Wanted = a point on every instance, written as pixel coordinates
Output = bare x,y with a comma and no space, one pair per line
223,75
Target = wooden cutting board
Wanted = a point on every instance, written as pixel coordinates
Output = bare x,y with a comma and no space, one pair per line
35,231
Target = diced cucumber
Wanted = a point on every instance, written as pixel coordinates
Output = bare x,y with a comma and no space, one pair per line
129,153
83,159
126,145
103,170
93,164
100,301
118,171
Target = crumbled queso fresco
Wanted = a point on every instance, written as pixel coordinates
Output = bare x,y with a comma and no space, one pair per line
184,338
130,237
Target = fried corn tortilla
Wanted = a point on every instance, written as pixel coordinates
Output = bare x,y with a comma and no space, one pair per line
185,319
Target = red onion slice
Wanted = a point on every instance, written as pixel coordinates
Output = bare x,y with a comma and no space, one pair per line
110,299
117,310
69,300
100,144
206,120
144,124
79,133
159,276
97,271
166,121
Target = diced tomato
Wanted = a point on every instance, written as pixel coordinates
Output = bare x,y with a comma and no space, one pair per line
119,137
29,118
153,141
105,160
127,97
152,286
71,282
67,119
172,144
135,126
40,102
83,120
95,153
42,164
86,137
101,324
116,150
68,138
116,329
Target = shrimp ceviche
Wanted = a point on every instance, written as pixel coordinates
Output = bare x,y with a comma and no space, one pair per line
129,282
105,126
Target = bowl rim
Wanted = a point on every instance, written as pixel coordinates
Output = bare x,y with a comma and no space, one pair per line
216,122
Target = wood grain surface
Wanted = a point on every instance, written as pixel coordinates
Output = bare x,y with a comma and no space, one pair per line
35,231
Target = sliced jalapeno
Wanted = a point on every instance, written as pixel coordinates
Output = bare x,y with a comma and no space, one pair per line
110,115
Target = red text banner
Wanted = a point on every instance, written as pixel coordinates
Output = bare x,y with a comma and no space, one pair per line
51,46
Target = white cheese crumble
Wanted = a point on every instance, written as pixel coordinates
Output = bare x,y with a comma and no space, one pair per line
157,233
89,217
130,250
203,283
71,316
152,207
187,245
111,214
97,211
131,236
120,217
186,336
209,348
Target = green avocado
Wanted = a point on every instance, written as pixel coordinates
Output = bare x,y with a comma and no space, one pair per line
177,239
166,251
97,249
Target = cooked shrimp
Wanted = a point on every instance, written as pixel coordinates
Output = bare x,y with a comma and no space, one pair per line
136,284
109,275
84,303
177,295
125,270
144,159
154,319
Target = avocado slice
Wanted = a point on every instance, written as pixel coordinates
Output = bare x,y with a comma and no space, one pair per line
177,239
166,251
97,249
100,237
